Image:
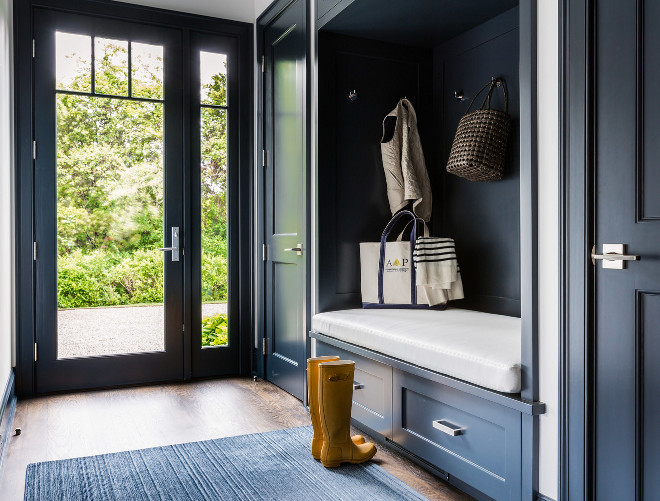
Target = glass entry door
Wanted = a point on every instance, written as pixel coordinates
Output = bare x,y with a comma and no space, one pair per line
109,202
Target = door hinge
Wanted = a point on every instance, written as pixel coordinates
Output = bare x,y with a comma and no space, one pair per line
264,252
34,50
265,346
183,328
34,251
263,64
34,150
263,158
35,352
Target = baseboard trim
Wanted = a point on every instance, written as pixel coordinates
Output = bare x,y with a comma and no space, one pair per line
7,411
541,497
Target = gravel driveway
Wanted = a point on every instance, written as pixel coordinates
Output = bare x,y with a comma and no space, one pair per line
121,329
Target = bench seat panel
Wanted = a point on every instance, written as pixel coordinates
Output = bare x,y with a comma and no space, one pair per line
480,348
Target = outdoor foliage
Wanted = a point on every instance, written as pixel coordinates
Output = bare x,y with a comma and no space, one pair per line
110,188
214,330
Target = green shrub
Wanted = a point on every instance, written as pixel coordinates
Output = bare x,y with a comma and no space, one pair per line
83,281
138,277
106,278
214,278
214,330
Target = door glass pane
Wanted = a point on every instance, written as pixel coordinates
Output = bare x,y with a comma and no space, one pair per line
111,66
73,62
213,76
213,167
147,70
109,226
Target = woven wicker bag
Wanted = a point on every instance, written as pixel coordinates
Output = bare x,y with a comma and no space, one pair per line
479,148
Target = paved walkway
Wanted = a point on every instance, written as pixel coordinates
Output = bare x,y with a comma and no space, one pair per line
86,332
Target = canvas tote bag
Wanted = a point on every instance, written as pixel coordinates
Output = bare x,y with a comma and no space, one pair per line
387,272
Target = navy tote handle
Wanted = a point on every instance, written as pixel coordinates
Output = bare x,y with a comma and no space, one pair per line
381,260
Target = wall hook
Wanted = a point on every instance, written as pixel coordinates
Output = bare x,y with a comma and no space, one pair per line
458,94
352,95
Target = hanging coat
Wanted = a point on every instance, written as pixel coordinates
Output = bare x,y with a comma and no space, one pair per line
403,161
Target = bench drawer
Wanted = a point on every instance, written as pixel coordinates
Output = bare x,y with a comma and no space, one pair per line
372,401
470,438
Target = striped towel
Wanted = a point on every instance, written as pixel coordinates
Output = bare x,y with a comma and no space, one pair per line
437,269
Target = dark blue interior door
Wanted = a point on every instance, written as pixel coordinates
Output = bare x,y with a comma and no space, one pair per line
626,345
285,199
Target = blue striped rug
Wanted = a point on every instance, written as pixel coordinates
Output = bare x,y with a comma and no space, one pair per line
275,465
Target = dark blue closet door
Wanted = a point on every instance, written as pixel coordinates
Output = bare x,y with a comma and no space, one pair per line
286,199
626,344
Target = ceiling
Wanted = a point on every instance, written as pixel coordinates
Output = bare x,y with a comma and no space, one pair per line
235,10
421,23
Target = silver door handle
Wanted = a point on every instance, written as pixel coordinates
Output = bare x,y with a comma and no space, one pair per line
613,256
175,244
298,249
446,427
357,386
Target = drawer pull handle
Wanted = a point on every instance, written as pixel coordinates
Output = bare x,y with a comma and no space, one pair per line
446,427
357,386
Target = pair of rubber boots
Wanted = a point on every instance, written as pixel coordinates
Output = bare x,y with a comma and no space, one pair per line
330,392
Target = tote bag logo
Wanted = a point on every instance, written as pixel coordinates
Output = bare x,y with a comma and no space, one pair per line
397,266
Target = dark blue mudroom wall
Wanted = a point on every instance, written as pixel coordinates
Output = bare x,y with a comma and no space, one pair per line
352,198
483,218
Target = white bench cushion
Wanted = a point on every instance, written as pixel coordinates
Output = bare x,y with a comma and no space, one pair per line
480,348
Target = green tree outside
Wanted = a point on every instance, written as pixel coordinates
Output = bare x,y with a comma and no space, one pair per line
110,189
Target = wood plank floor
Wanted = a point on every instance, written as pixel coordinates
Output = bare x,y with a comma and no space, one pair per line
84,424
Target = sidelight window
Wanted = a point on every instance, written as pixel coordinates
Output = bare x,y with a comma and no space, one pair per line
214,206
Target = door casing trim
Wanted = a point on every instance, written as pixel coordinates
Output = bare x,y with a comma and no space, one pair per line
576,280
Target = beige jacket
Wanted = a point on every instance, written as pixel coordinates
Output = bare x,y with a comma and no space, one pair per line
403,161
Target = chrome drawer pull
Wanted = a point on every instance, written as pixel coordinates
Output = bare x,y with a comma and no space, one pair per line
357,386
446,427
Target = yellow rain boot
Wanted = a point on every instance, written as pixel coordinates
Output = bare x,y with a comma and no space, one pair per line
313,402
335,399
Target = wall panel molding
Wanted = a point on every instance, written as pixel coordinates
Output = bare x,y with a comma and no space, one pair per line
647,104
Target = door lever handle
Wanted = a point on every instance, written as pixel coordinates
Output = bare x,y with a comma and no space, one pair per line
175,244
298,249
613,256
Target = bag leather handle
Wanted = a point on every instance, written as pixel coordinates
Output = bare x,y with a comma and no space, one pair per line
492,85
381,260
426,229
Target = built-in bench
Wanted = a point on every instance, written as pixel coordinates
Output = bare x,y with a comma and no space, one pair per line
477,347
441,385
